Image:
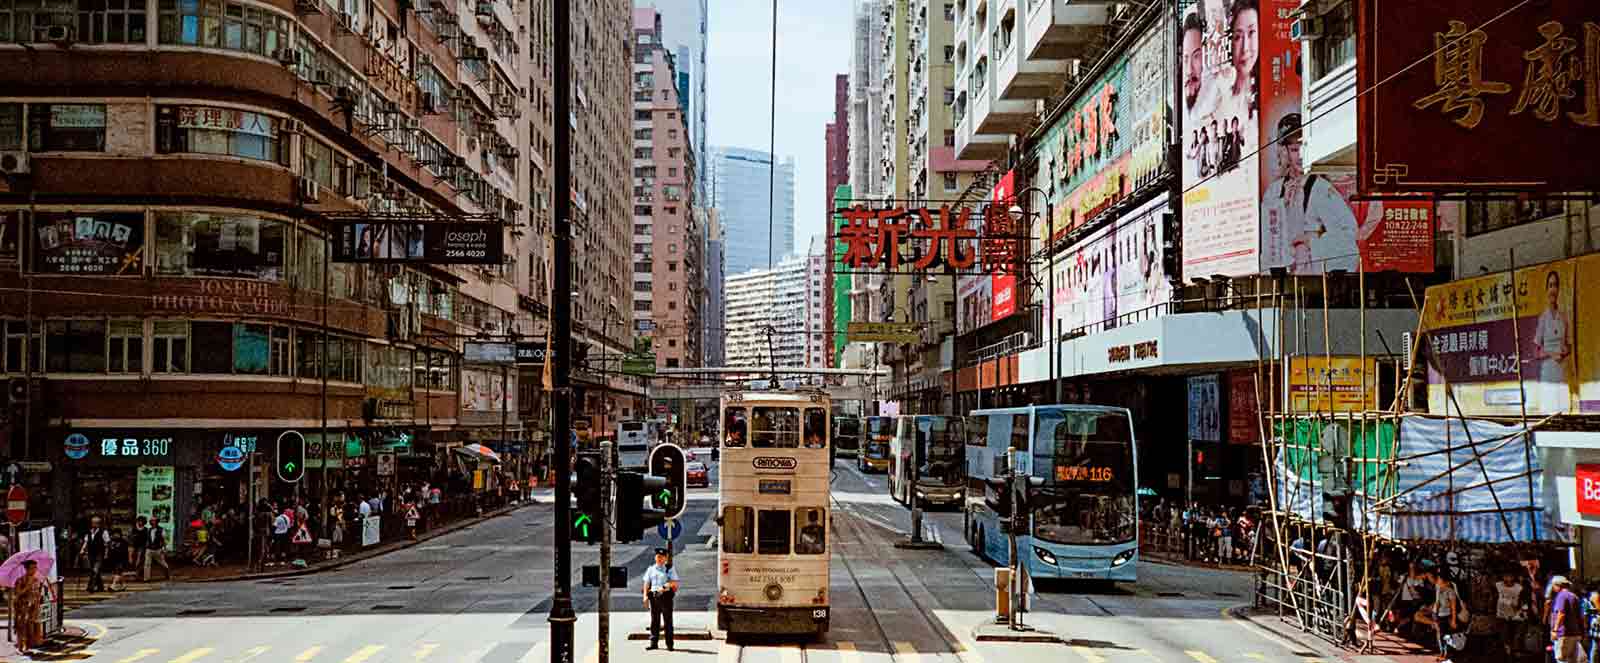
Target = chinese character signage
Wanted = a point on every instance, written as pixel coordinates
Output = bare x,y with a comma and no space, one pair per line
900,239
1113,272
1205,409
1505,97
1323,228
1476,333
1110,141
473,243
1244,410
990,297
91,243
226,119
1322,385
119,447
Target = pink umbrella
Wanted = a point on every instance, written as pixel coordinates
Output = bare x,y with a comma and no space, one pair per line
12,570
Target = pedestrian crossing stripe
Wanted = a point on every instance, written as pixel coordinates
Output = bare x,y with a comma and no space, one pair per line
364,653
1088,654
308,654
193,655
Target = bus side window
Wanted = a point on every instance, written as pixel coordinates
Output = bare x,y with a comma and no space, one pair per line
813,539
772,532
738,529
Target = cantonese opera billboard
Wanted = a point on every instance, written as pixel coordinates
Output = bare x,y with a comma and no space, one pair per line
1114,272
1311,224
88,243
991,297
1478,331
1466,94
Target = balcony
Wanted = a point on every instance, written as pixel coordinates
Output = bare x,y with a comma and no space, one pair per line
1063,30
1019,77
1332,141
991,115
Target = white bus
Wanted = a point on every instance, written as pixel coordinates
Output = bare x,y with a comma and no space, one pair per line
774,513
634,441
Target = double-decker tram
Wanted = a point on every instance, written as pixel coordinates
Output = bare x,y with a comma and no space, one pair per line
774,513
1085,507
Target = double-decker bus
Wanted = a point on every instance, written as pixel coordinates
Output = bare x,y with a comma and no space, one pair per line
774,513
938,476
846,436
876,434
634,441
1085,507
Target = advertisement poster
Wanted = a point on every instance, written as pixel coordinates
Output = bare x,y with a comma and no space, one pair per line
458,242
1475,332
1113,272
1587,349
154,498
1244,411
100,244
1312,224
976,301
484,391
1319,384
1110,142
1223,77
1205,409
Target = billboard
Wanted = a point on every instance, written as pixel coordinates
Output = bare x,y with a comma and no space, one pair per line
1205,409
1315,225
471,243
1322,384
1513,81
89,243
1111,140
1478,332
1114,271
986,298
1244,409
485,390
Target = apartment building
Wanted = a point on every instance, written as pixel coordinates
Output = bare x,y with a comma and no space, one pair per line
684,25
755,197
767,317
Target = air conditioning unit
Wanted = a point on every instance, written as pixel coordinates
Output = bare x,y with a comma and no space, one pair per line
1306,28
14,163
320,77
424,60
310,191
288,57
55,34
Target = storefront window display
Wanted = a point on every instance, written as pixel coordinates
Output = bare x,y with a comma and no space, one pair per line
232,245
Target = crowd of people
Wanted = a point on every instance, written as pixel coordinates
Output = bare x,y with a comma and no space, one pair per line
1203,533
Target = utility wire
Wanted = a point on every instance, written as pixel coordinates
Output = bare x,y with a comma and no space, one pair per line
772,139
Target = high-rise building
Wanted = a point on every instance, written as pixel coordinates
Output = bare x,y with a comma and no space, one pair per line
818,347
837,140
759,231
767,317
715,311
684,35
668,221
866,99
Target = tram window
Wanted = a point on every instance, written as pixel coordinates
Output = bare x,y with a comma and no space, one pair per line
738,527
813,539
772,532
775,427
816,428
734,424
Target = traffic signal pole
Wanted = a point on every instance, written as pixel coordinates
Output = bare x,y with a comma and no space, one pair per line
605,520
562,617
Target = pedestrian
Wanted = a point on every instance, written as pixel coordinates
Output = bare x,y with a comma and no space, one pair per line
1510,612
155,552
411,519
116,558
93,550
1566,622
27,599
1224,534
136,548
660,586
280,536
1591,620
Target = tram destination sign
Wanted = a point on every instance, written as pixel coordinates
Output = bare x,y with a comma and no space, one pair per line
462,242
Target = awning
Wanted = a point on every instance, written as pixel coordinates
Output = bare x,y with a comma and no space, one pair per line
479,452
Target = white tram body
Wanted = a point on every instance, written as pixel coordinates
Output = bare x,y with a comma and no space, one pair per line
773,518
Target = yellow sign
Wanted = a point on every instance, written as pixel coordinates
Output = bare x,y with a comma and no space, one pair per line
882,332
1332,384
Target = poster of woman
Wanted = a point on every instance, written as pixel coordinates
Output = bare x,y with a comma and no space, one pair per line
1551,348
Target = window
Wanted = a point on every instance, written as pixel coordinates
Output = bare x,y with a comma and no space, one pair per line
672,266
75,346
216,24
672,343
949,96
775,427
949,138
672,172
90,22
67,127
125,347
738,529
949,11
950,182
225,131
672,362
169,347
211,347
672,306
772,526
811,523
10,114
16,332
949,54
641,115
204,244
260,349
1337,46
1484,216
316,161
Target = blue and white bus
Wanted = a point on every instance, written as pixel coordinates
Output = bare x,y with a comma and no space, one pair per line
1085,510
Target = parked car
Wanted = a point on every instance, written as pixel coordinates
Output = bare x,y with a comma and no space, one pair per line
698,475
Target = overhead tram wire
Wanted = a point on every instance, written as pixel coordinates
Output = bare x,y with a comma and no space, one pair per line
772,138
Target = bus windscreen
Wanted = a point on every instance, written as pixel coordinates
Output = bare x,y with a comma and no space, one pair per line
942,444
1086,461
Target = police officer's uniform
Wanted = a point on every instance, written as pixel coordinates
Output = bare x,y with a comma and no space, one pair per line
659,588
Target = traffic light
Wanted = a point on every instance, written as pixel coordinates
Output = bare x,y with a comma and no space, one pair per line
667,461
633,517
291,461
586,518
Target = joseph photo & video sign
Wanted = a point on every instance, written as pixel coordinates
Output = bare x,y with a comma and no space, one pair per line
469,243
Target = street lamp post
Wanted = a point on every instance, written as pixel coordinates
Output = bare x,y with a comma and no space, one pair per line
1050,287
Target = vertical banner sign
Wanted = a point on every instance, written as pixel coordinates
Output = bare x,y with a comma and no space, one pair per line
1244,410
1506,95
1205,413
1476,331
154,497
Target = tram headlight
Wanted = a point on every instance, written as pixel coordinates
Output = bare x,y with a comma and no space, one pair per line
1123,557
725,598
821,598
773,591
1044,555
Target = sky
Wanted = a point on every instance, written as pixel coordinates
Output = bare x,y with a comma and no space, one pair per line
813,47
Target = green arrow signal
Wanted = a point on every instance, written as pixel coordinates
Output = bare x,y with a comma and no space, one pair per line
289,467
582,523
666,496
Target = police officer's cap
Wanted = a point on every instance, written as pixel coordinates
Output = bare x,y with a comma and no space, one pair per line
661,551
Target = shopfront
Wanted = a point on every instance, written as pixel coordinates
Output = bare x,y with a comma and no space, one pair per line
120,474
1571,477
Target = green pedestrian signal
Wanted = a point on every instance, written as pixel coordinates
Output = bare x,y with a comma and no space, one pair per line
586,487
581,525
291,456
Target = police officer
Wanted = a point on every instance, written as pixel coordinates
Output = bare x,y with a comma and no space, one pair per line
660,585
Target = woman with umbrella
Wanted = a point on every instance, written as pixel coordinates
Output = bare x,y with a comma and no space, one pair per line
29,589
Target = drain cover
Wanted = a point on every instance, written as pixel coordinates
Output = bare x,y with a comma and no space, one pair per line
402,587
290,608
477,577
1169,595
386,606
195,612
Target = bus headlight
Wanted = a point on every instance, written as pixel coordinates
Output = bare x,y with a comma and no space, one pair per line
921,495
1123,557
1044,555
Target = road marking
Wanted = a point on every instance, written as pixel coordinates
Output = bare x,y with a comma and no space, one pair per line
141,654
1149,653
1200,656
594,656
251,653
193,655
364,653
535,654
1088,654
728,653
308,654
790,654
1255,656
906,652
847,652
425,649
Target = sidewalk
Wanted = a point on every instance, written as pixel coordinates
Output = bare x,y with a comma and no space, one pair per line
1386,647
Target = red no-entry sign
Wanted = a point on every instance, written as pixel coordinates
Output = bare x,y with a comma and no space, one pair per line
17,505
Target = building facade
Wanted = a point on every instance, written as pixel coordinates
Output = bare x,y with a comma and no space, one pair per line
758,227
715,310
684,25
766,325
819,296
